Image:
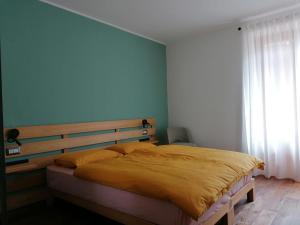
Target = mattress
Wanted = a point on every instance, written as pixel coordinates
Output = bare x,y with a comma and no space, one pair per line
150,209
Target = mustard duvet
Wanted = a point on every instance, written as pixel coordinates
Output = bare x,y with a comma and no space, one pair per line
192,178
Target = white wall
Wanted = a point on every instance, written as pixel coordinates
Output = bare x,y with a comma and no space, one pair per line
205,87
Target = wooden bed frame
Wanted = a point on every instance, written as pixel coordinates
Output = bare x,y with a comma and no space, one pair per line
68,136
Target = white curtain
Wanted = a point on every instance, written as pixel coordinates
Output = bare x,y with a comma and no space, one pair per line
271,94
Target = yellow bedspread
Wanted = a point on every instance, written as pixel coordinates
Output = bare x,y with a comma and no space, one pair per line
192,178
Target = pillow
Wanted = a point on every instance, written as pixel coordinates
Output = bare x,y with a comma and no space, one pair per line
126,148
79,158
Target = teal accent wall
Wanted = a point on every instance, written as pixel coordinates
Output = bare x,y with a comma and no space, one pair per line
59,67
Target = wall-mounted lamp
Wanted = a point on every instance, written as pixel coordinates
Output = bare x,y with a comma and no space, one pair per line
12,136
146,124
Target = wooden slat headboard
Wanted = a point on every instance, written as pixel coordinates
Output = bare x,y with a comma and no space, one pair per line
62,137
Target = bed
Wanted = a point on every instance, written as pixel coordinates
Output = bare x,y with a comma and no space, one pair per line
99,190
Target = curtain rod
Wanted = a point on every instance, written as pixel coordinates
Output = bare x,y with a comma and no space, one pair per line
284,10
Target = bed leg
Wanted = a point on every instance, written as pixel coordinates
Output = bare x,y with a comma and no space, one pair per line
251,195
229,217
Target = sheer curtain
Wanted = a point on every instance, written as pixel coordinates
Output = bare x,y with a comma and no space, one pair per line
271,94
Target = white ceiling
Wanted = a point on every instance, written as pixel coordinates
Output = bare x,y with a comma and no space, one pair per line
168,20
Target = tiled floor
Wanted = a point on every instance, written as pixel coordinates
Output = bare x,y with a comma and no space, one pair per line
277,203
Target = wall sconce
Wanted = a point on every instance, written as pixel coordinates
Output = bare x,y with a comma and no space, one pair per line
12,136
146,124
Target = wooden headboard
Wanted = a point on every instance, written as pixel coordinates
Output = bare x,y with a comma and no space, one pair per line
63,137
40,145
